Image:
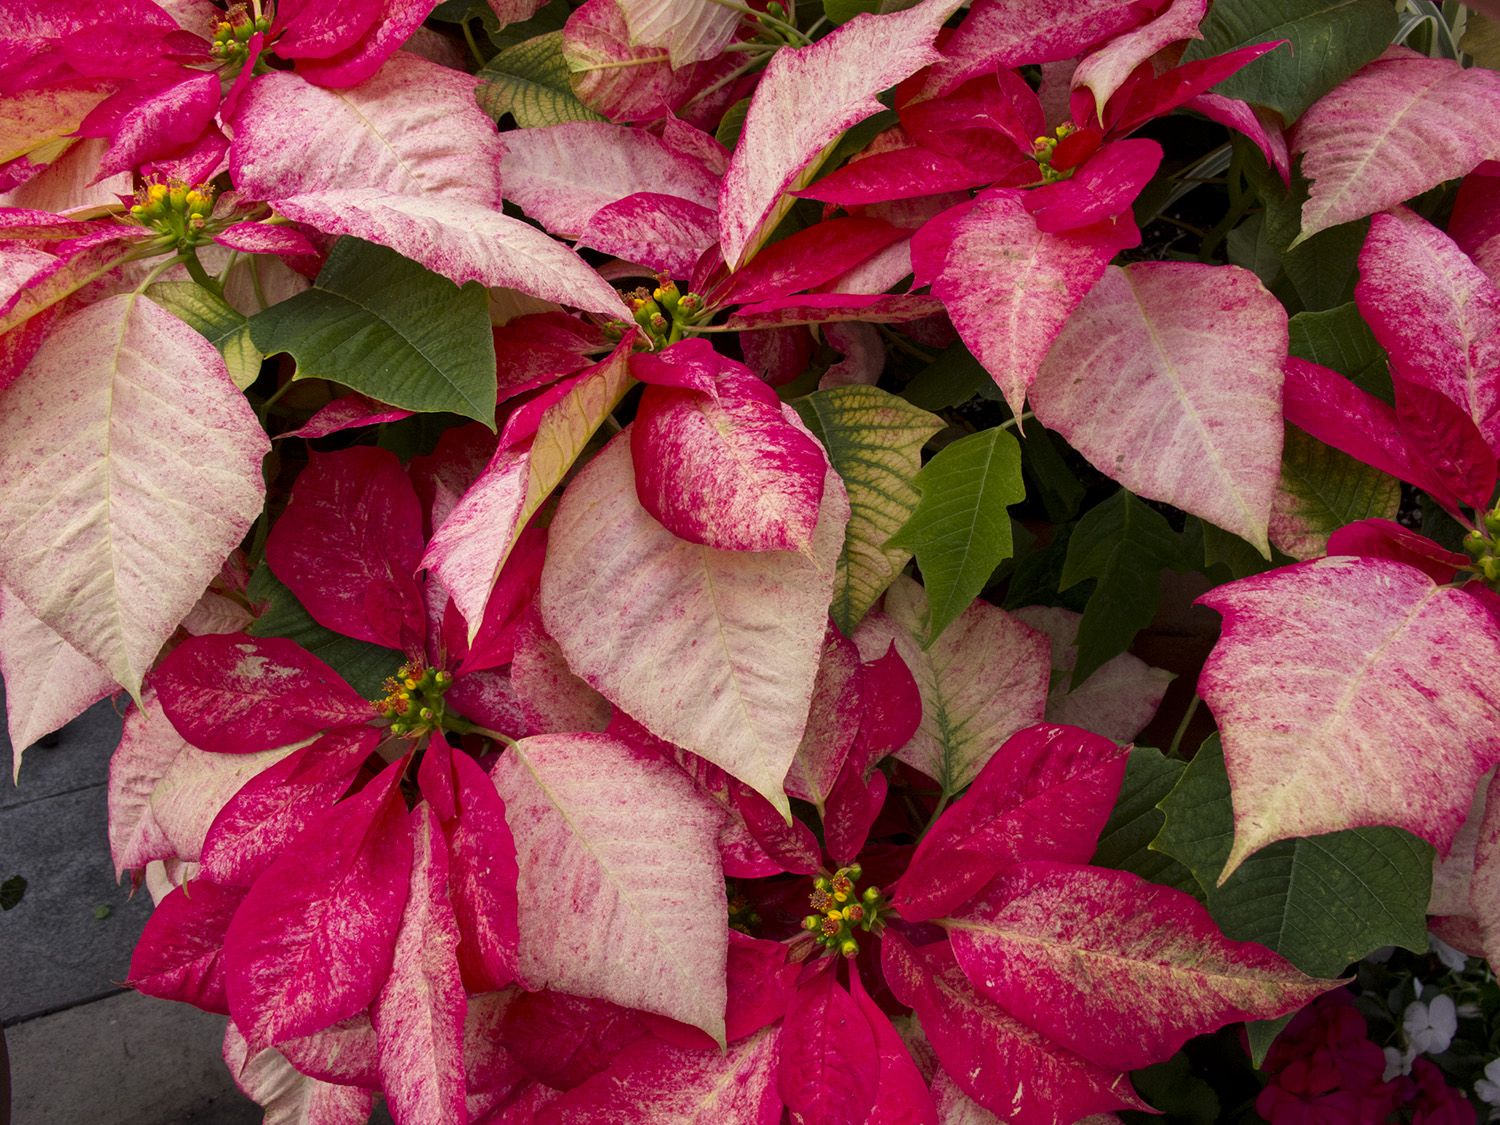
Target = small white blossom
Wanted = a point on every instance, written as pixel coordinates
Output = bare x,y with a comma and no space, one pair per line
1488,1087
1468,1011
1450,957
1397,1062
1430,1027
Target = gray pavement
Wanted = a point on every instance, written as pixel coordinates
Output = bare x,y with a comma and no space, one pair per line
84,1051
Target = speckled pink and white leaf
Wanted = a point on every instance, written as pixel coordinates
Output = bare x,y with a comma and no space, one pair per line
349,543
714,651
805,100
196,786
467,552
1385,539
412,129
274,806
180,952
482,880
1351,692
564,1040
148,746
312,942
727,470
829,1070
983,680
236,694
1009,286
1402,124
1000,1062
427,182
691,30
652,1082
1168,379
561,175
115,509
620,899
47,681
1117,701
832,721
1452,874
418,1014
462,240
345,1054
1105,70
1435,313
902,1097
1011,33
661,232
1045,795
1475,223
1484,885
552,698
1118,969
288,1097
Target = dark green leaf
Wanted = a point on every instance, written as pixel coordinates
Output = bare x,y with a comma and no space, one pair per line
1329,40
728,132
1039,574
1340,339
874,441
101,912
1124,545
384,326
954,377
531,82
1322,490
1324,269
1173,1088
364,666
1057,486
11,892
1242,560
1249,248
1125,843
212,317
961,529
1319,901
1262,1033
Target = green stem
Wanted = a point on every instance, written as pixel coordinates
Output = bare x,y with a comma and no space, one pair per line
260,294
733,76
463,726
473,44
905,345
936,812
155,273
198,273
1187,717
765,20
1016,421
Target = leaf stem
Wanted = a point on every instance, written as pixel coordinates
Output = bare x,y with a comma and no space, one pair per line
936,812
905,345
473,44
158,271
733,76
1187,717
765,20
198,273
1016,421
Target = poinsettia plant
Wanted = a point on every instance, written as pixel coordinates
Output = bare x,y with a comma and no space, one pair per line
619,530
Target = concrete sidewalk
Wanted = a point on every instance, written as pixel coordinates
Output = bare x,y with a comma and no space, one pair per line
84,1051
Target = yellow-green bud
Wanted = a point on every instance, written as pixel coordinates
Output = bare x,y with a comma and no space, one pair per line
850,947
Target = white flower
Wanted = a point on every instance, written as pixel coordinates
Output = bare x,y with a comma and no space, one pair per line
1397,1062
1450,957
1488,1087
1430,1027
1468,1011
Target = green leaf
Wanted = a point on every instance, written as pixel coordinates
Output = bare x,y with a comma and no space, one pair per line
1176,1091
1330,40
1125,843
212,318
1262,1033
384,326
1319,901
11,892
101,912
1323,269
954,377
1249,247
961,529
1241,559
1057,486
364,666
1340,339
531,82
1039,574
728,132
1322,490
1124,545
874,440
